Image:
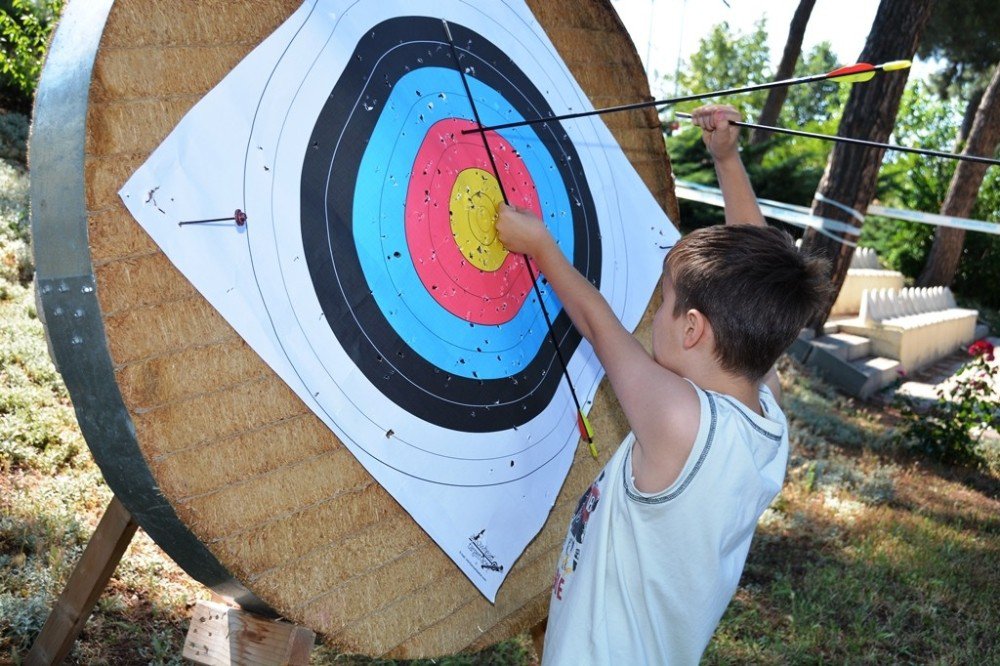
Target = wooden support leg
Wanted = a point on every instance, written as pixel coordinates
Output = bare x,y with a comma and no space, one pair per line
86,583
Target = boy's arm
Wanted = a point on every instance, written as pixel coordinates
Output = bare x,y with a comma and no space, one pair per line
661,407
720,138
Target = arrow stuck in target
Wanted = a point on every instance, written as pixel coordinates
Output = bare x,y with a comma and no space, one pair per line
239,217
857,73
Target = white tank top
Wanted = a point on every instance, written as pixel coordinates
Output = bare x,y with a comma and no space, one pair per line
644,578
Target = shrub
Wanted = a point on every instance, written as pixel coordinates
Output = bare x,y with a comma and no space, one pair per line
951,429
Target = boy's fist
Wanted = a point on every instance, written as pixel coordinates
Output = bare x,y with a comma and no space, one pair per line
719,135
520,231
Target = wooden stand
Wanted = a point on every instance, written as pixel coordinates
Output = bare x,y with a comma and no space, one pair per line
88,580
218,634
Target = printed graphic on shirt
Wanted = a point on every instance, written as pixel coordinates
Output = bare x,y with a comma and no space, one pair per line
574,539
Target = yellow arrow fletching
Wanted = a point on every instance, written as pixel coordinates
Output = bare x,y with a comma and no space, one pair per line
856,78
895,64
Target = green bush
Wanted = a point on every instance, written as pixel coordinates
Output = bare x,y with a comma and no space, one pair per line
951,429
25,26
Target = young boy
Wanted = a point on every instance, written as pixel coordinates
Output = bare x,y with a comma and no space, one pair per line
656,548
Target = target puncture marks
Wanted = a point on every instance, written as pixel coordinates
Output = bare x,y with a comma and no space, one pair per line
369,275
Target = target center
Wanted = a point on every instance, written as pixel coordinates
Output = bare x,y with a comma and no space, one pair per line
475,200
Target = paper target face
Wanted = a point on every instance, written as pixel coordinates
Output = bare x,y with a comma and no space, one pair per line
405,209
383,236
368,274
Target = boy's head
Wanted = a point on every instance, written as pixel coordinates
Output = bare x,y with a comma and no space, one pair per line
753,286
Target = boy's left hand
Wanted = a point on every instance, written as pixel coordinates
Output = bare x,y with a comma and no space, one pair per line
719,135
520,231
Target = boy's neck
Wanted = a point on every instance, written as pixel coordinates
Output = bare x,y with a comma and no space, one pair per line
715,379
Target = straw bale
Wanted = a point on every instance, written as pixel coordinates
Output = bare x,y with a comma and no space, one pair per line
189,373
328,520
152,72
255,475
143,333
270,454
136,23
140,281
110,239
212,416
105,175
134,126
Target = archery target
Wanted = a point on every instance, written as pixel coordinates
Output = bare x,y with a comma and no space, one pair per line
368,275
378,218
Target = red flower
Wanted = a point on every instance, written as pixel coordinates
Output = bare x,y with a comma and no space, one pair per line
982,348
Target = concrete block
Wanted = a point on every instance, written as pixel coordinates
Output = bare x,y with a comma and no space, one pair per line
845,346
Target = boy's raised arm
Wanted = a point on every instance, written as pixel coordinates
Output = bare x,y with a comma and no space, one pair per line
661,407
720,138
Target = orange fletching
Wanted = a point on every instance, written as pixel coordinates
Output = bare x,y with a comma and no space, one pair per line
861,71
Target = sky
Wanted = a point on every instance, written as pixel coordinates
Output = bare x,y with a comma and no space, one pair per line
665,29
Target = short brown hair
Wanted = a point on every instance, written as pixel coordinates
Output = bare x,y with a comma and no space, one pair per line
754,287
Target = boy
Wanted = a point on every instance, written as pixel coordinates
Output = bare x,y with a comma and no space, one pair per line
656,548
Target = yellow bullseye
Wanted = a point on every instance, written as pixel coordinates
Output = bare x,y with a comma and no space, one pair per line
475,199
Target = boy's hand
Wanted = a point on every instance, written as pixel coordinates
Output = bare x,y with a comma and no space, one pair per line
719,135
520,231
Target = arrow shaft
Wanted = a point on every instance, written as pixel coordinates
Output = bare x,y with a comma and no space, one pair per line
214,219
862,142
659,102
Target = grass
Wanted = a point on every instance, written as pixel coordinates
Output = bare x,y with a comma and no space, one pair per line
869,555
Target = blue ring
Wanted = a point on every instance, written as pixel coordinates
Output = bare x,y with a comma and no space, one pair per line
481,351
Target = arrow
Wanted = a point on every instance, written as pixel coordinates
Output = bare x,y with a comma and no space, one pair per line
239,217
861,142
586,431
856,73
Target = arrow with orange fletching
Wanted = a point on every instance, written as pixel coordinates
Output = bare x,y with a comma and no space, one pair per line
856,73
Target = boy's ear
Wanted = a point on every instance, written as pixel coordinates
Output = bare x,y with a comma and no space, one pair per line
696,327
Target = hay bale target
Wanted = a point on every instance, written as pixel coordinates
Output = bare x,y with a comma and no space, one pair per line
216,457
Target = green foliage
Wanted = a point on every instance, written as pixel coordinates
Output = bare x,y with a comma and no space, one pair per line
978,274
962,33
815,107
920,183
24,34
951,429
791,167
726,59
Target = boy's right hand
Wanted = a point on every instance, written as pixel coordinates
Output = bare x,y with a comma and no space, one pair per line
719,135
520,231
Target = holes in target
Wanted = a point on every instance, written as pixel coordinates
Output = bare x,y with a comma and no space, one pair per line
457,340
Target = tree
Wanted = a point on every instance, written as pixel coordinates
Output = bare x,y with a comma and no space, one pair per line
983,140
725,59
789,58
962,32
851,175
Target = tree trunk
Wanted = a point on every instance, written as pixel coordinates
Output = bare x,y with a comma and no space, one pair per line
870,113
946,253
790,56
968,118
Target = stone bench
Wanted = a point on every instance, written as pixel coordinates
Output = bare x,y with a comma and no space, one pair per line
915,326
865,273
